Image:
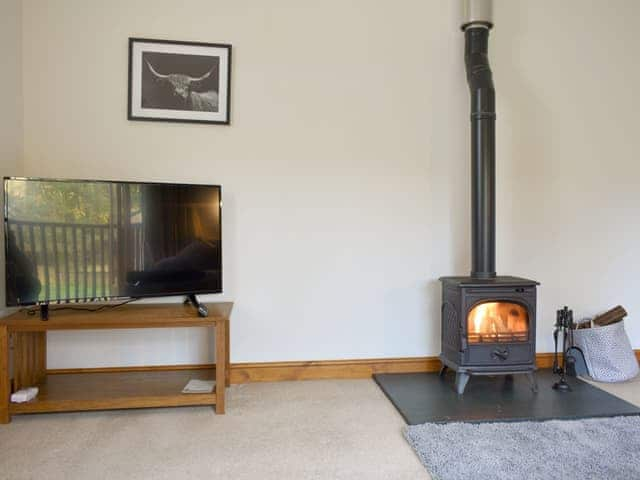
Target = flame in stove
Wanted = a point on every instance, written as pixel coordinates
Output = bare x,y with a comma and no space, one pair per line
482,315
498,322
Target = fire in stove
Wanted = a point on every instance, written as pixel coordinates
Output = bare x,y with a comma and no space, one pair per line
498,322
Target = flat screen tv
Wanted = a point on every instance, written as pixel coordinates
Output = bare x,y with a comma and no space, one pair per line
87,240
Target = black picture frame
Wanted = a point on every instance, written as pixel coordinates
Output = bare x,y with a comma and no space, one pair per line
165,93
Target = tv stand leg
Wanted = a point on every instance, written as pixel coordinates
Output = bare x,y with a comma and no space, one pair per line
203,311
5,386
221,365
227,347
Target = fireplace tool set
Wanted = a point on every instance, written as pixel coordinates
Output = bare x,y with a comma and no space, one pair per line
564,326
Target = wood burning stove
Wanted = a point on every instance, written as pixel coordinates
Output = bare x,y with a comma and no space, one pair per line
488,327
488,321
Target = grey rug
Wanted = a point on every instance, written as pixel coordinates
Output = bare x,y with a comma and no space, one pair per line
596,448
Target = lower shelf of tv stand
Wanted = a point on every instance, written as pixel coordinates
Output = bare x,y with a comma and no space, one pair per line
69,392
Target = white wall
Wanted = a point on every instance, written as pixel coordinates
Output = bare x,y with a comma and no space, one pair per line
346,166
569,151
11,101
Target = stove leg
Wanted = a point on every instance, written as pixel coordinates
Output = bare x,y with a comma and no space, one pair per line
532,380
508,381
443,370
461,382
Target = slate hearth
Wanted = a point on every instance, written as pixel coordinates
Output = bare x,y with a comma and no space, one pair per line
427,397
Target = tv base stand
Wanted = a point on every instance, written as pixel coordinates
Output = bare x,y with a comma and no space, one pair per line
108,388
192,299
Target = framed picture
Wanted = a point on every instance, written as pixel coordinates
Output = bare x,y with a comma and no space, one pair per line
179,81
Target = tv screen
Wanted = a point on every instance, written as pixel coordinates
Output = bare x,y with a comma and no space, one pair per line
83,240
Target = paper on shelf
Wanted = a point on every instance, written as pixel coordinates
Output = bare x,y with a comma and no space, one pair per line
24,395
199,386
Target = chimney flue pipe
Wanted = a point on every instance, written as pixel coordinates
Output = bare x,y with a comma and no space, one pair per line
476,24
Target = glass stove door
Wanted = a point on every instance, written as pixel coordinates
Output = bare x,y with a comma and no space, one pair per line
498,322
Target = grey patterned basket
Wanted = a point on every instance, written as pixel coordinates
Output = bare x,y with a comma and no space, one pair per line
607,352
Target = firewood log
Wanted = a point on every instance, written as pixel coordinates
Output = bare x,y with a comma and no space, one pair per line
582,325
610,316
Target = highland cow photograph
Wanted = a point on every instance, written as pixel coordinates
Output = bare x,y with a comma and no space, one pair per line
179,81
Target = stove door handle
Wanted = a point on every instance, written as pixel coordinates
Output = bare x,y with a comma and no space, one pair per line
501,354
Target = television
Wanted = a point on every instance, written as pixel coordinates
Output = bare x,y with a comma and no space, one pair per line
88,240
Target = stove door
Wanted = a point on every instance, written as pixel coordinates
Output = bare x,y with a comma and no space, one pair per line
498,322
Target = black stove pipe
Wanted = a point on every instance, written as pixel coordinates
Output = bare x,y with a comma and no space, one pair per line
483,151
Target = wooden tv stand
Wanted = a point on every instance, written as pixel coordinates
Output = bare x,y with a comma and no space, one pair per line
106,389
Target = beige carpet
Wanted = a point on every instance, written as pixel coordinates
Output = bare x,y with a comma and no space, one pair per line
629,391
330,429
